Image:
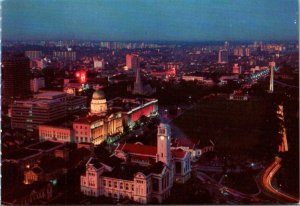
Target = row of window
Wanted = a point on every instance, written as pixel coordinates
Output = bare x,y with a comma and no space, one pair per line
80,127
81,133
121,186
81,139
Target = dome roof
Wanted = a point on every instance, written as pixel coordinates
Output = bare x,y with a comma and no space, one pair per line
98,94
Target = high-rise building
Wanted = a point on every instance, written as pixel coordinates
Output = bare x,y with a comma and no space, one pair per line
223,56
33,54
16,76
132,61
247,52
65,55
238,51
226,45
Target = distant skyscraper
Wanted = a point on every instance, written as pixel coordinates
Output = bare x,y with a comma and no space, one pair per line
33,54
226,45
65,55
271,65
132,61
223,56
247,52
16,76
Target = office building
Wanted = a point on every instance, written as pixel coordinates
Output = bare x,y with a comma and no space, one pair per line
65,55
44,107
223,56
16,76
132,61
34,54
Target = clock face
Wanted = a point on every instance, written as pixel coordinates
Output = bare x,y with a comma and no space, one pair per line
162,137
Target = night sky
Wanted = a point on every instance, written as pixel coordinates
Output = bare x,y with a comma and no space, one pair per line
125,20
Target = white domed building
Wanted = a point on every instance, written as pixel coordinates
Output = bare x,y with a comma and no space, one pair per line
100,123
98,103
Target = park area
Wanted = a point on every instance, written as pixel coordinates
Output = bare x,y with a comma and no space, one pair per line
235,127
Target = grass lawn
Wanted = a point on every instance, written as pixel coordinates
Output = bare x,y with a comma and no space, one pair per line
235,127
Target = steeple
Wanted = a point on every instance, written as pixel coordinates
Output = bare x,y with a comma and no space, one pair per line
138,86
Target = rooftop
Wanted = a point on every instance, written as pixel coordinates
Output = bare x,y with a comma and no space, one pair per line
20,154
50,95
93,118
127,105
45,145
138,149
124,171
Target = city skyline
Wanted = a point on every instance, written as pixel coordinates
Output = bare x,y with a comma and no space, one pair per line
151,20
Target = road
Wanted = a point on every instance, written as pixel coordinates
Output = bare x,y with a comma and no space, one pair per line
265,180
230,193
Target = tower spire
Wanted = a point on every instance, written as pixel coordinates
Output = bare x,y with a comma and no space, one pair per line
138,86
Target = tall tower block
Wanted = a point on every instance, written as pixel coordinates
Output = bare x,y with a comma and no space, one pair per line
271,65
164,144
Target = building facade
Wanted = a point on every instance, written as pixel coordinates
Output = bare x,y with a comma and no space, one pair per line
99,124
44,107
148,180
223,56
132,61
16,76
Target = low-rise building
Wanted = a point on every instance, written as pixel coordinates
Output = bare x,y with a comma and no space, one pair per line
133,109
143,174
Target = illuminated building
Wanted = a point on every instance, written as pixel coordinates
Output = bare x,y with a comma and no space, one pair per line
99,63
132,61
239,96
192,78
139,172
57,133
33,54
133,109
236,69
44,107
81,76
65,55
98,103
164,74
247,52
223,56
99,124
16,77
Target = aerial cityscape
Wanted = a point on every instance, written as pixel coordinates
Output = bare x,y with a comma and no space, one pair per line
150,102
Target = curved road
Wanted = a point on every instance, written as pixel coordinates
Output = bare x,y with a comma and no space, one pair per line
265,182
